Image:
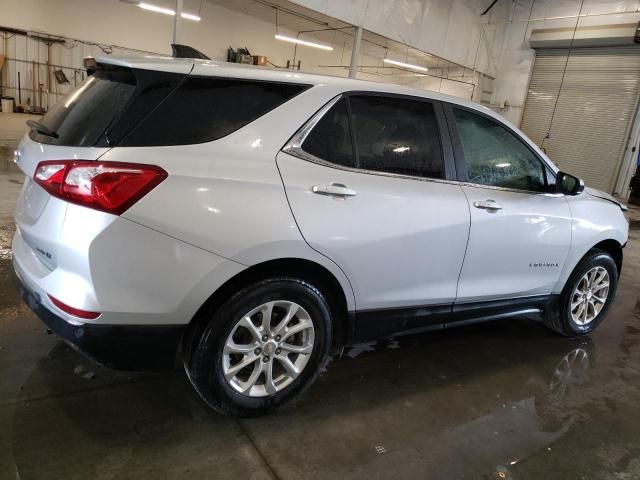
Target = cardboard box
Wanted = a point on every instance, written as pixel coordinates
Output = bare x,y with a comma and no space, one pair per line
260,60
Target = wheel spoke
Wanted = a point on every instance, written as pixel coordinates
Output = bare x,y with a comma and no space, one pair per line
582,286
251,381
267,311
303,349
599,299
288,365
601,286
303,325
575,303
248,360
269,386
248,324
233,347
291,312
599,277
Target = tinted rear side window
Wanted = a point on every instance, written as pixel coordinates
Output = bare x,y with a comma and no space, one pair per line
81,118
397,135
330,139
203,109
152,87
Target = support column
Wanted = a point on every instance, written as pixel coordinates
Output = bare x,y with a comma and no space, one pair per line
177,22
355,52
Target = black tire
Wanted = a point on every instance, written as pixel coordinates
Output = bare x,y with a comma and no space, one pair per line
558,317
203,357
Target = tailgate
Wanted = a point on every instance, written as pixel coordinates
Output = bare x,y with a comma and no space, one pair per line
39,216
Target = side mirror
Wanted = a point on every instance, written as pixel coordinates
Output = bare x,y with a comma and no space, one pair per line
568,184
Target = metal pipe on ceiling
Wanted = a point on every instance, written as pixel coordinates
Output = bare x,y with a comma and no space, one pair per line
177,21
355,52
563,17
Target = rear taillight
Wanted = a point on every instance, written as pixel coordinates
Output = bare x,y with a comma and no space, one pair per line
111,187
76,312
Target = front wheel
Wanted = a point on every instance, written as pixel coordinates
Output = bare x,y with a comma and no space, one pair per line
586,297
262,348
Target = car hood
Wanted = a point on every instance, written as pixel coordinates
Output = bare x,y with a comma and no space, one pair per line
604,196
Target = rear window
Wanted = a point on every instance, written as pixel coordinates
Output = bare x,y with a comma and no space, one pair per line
203,109
129,107
81,118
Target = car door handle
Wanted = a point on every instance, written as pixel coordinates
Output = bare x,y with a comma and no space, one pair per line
334,190
488,205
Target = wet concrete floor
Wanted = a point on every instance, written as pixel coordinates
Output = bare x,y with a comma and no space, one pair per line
503,400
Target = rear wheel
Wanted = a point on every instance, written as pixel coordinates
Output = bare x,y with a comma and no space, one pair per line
586,297
261,348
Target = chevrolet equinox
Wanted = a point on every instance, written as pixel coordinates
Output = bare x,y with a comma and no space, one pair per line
255,221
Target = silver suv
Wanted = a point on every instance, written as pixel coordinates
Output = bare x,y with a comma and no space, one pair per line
257,220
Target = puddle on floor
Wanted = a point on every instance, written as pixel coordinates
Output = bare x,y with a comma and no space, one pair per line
6,235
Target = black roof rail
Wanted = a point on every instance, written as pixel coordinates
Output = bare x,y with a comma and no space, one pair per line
185,51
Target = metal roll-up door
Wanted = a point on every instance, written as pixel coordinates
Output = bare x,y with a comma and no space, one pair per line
594,107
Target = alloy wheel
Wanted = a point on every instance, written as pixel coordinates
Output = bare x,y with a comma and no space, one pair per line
268,348
590,295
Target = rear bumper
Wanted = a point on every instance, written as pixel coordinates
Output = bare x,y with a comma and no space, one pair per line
124,347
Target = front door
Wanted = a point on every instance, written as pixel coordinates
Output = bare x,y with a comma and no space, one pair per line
520,230
367,187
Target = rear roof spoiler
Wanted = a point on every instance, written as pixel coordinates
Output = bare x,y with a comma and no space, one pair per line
185,51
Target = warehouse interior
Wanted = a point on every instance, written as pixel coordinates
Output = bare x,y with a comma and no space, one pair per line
501,400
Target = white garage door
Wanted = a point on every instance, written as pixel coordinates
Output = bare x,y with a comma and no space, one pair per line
596,102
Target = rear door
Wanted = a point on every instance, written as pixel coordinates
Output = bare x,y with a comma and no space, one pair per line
520,229
367,180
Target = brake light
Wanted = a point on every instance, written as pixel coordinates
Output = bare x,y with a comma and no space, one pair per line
76,312
111,187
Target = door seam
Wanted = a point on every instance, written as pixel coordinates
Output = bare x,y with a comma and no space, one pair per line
466,248
286,196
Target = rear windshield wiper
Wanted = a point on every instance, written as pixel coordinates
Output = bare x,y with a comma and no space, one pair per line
40,128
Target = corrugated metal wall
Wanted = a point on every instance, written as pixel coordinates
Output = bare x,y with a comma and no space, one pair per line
595,106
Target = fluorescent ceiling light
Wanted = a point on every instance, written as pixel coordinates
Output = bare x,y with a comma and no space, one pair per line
406,65
167,11
190,16
303,42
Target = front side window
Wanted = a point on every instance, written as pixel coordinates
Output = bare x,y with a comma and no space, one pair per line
396,135
495,156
